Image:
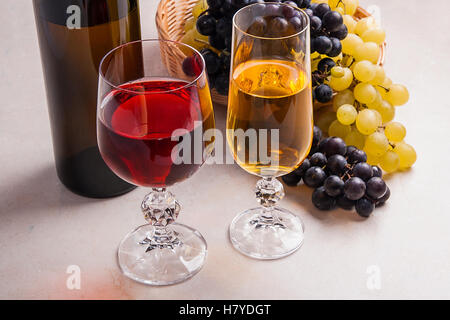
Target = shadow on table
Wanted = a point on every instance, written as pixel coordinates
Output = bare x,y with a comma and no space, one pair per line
41,189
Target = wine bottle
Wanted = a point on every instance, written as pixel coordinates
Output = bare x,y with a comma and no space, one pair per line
74,36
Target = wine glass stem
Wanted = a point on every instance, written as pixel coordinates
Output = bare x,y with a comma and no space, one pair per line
268,192
160,209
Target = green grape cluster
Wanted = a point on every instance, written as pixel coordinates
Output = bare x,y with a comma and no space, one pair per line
365,99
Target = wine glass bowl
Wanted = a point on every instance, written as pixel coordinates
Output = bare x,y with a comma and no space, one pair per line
150,117
270,120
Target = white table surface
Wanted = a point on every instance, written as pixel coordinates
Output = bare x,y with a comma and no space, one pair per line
44,228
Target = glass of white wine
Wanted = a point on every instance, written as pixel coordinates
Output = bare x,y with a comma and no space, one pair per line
270,120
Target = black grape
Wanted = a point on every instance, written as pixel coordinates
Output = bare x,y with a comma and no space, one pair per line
332,20
314,177
376,188
214,4
337,47
212,61
385,198
321,10
217,41
357,156
334,146
224,27
206,25
317,135
323,93
221,83
315,24
225,60
272,10
333,186
291,179
300,171
323,144
350,149
278,26
322,44
341,33
377,172
364,207
258,26
322,200
344,203
318,160
336,164
354,188
363,170
325,65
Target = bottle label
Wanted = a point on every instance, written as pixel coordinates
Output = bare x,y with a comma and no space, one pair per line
76,14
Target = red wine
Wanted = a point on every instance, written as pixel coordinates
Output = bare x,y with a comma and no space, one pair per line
70,61
135,131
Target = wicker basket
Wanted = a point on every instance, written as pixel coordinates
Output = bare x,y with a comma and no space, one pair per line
172,15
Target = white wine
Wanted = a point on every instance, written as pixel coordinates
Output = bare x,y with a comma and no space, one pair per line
270,94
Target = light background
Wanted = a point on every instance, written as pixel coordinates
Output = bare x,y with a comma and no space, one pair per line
44,228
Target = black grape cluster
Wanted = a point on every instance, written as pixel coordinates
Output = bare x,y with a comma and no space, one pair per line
216,24
341,177
327,31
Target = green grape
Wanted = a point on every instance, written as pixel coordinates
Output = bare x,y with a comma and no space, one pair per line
386,110
355,138
395,131
379,117
407,155
342,83
368,121
364,25
377,144
351,43
387,82
364,71
346,114
343,97
375,104
349,6
190,38
190,24
376,35
349,22
337,58
365,93
337,129
381,91
337,72
367,51
397,95
199,8
390,161
372,159
323,118
380,75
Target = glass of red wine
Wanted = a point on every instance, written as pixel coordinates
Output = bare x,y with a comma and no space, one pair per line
154,107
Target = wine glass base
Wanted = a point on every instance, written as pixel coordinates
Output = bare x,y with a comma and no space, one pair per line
162,266
266,239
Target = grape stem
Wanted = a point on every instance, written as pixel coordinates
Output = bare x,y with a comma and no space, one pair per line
386,89
343,4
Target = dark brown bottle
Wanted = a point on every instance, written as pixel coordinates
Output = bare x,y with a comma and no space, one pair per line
74,36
